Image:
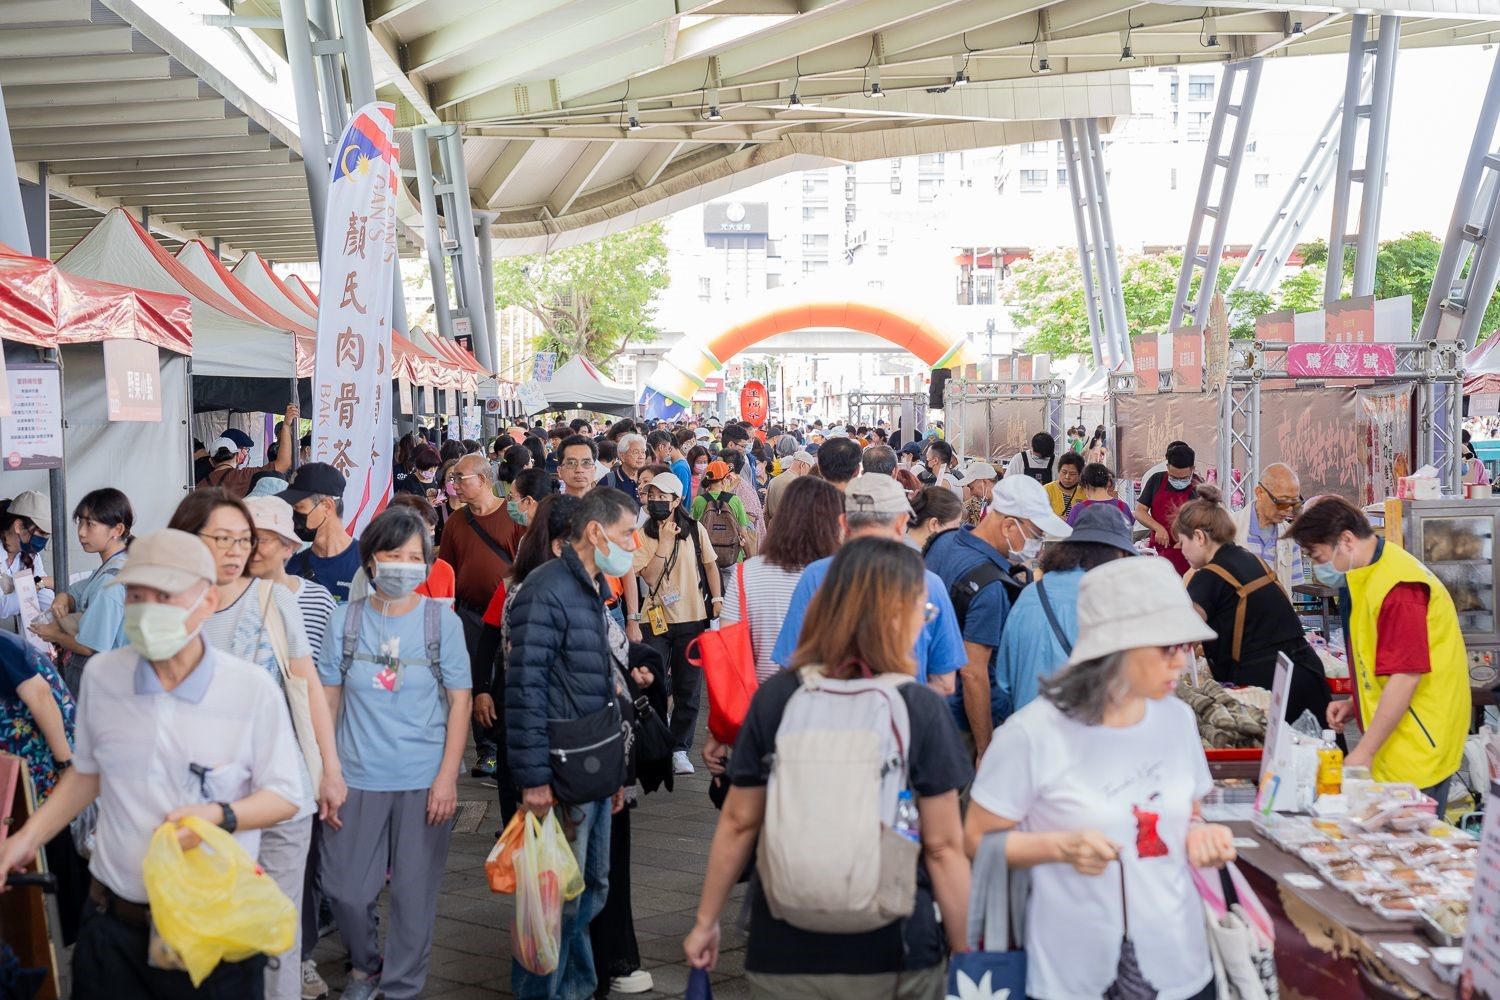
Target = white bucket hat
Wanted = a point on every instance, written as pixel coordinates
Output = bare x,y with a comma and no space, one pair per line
1133,603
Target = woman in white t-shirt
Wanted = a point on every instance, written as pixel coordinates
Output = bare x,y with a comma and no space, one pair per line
1104,772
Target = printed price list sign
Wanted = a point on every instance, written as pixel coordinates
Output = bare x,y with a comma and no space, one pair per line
32,436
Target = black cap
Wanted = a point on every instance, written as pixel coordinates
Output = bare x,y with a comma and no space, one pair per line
912,448
315,479
1101,524
239,437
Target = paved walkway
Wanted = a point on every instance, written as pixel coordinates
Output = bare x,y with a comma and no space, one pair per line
670,834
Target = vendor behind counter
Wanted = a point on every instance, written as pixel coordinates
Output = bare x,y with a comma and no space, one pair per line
1237,594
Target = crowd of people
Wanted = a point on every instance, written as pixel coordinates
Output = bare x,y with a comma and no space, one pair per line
314,691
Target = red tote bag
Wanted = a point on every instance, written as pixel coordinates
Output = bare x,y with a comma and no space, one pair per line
727,658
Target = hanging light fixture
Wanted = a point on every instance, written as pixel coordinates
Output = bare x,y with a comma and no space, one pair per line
1211,31
875,88
1043,65
633,116
961,70
1125,52
713,106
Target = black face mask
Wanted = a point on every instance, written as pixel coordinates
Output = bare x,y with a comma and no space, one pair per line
659,510
300,528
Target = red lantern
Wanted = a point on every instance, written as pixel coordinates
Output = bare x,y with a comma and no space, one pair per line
754,403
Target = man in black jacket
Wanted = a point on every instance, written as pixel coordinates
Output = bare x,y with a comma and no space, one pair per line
559,669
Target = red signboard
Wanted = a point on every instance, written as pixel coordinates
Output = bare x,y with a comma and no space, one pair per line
1340,360
1147,376
1276,327
754,403
1350,321
1187,360
1023,368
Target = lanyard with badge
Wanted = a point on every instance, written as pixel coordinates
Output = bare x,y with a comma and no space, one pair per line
657,602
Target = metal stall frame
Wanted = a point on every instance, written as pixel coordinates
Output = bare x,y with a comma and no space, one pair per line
1119,384
1426,365
958,391
859,400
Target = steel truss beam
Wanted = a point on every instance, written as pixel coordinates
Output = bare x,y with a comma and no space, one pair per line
1097,254
1267,258
1221,165
1433,368
958,392
1470,262
1371,175
860,401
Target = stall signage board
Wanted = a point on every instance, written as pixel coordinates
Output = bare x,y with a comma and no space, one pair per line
1277,731
546,364
403,395
1350,321
1484,404
32,436
1147,375
1342,360
1187,360
533,397
1023,368
1276,328
450,399
473,421
1481,965
132,380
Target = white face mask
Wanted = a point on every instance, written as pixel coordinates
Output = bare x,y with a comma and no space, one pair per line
159,631
395,580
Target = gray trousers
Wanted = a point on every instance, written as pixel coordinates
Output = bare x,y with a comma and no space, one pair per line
283,855
380,828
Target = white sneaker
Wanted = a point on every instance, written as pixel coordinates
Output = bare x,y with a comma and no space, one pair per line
313,985
680,765
639,981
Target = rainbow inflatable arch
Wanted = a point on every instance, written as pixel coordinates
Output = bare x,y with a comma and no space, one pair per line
685,369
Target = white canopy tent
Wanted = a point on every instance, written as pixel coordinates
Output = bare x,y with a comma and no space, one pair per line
579,385
228,342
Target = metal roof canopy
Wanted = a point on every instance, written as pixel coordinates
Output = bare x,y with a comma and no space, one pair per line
112,110
546,89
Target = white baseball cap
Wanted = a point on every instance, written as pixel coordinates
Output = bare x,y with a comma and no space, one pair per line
667,482
1131,604
975,472
1024,497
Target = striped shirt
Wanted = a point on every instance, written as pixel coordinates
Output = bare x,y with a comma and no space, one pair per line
769,593
316,604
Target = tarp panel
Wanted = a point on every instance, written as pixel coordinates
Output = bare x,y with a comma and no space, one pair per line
203,264
579,385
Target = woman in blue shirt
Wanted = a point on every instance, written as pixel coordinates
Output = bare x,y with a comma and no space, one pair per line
104,521
401,697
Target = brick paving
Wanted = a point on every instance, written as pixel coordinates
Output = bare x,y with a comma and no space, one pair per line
670,836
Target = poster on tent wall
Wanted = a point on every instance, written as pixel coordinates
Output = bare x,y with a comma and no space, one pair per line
1350,321
32,436
132,380
1385,441
1147,375
473,415
1314,431
351,426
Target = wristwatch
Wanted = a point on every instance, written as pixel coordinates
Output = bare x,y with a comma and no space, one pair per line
230,822
635,618
62,765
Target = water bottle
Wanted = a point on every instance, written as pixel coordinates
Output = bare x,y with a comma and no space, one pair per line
908,824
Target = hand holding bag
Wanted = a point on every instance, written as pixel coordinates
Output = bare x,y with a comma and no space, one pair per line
1130,982
1241,936
993,964
297,693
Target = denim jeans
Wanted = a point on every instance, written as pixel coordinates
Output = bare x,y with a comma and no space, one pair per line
574,978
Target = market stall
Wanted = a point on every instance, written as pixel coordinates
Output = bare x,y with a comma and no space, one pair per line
578,385
43,306
993,420
907,410
240,361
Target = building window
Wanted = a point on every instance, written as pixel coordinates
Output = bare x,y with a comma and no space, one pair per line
1174,88
928,188
1262,180
1200,88
883,250
1062,177
930,161
815,241
1250,146
705,289
1033,180
1034,149
1198,122
814,213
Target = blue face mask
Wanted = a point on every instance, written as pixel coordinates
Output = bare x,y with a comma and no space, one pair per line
615,560
1328,574
36,545
1180,484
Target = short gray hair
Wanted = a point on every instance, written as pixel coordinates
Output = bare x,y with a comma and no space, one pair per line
859,520
1085,690
627,441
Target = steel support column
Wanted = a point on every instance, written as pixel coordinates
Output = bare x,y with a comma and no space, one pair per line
1215,200
1081,233
310,126
461,224
12,215
482,223
1456,307
432,234
1115,289
1371,174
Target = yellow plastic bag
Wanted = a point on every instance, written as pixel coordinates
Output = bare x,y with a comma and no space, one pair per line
547,874
214,903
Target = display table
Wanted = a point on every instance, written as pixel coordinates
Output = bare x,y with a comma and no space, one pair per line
1328,945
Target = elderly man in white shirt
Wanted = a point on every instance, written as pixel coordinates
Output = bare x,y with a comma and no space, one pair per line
167,728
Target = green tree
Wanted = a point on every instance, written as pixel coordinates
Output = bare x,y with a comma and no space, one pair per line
592,299
1303,291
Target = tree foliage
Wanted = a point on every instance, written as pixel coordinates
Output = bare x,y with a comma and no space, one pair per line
1046,292
592,299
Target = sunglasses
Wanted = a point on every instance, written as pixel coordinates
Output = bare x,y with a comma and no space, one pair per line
1282,503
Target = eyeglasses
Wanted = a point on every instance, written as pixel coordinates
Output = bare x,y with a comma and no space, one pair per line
929,613
1170,652
455,480
266,538
229,543
577,463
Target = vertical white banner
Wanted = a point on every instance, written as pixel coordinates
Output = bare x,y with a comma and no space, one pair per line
352,422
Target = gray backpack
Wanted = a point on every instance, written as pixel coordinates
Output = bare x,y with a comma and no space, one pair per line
432,634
